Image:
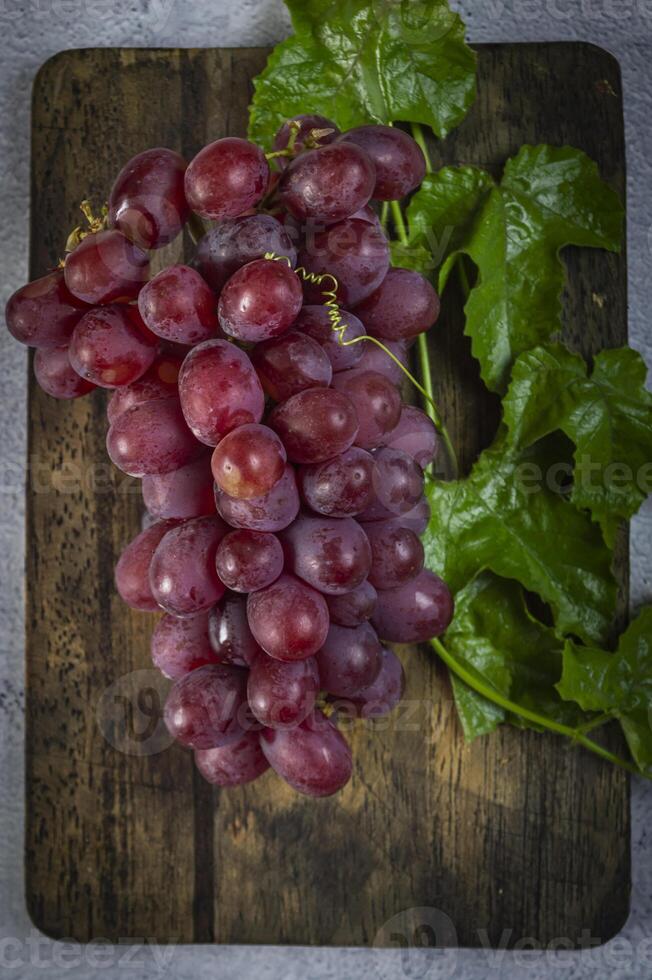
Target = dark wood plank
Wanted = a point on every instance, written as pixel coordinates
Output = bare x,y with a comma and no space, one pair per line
514,832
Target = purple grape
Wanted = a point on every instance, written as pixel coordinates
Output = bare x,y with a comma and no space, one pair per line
226,178
56,375
147,202
202,708
182,574
228,631
377,403
219,390
315,424
399,163
355,252
178,305
383,694
307,123
186,492
160,381
106,267
179,646
341,486
132,569
238,241
282,695
233,764
415,435
261,300
44,313
349,660
288,619
375,359
396,554
331,555
328,184
289,364
108,348
352,608
403,305
272,511
249,560
315,322
314,758
152,438
248,462
414,612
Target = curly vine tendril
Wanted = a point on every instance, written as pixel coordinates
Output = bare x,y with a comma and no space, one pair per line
340,326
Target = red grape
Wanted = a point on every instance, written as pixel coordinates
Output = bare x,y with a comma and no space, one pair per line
314,757
248,462
288,619
226,178
106,267
233,764
291,363
132,569
307,123
383,694
43,314
375,359
341,486
182,493
396,554
355,252
414,612
219,390
349,659
282,695
108,349
328,184
237,241
398,482
331,555
230,637
271,512
315,424
147,202
399,163
316,322
182,573
403,305
377,403
260,300
152,438
181,645
179,306
249,560
415,435
352,608
201,710
56,375
159,381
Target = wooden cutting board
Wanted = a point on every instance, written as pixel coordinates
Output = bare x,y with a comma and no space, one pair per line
516,835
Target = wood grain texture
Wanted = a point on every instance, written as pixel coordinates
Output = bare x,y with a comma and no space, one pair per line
516,835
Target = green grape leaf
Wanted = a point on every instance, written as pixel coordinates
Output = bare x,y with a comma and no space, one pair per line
504,517
515,654
359,62
607,414
549,197
619,684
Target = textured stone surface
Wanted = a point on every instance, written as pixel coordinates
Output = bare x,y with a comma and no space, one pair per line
31,31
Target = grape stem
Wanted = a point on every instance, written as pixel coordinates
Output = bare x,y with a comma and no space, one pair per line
487,691
427,389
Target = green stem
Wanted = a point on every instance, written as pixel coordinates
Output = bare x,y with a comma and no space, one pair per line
463,276
490,693
384,214
399,222
417,135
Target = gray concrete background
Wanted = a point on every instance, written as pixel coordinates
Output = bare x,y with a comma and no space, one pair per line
31,31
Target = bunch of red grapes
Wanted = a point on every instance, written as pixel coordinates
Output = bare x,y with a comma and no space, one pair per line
282,475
